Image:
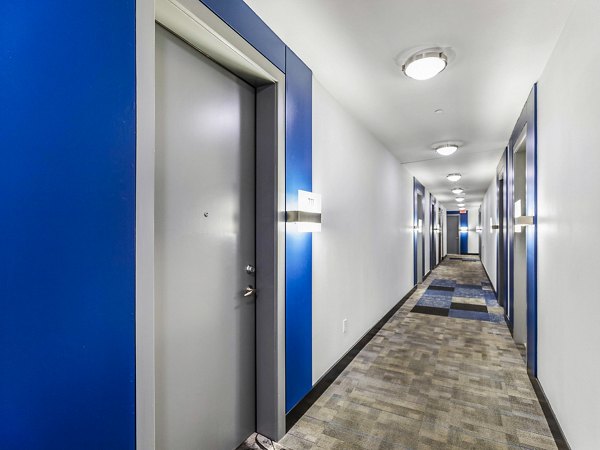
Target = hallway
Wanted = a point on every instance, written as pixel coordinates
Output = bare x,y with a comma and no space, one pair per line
300,224
426,381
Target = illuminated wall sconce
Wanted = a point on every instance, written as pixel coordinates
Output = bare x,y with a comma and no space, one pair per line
464,229
308,216
520,220
419,226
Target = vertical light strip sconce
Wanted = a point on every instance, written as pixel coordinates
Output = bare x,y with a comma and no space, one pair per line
308,215
464,229
517,215
521,220
419,226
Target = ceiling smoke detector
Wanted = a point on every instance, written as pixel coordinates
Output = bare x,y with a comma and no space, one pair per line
425,65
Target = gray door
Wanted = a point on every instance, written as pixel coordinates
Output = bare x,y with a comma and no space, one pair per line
204,220
452,235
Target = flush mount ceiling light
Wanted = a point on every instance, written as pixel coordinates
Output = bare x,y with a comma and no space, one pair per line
461,205
458,190
453,177
460,199
425,65
445,149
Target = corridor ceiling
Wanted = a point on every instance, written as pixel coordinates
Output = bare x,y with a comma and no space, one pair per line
497,51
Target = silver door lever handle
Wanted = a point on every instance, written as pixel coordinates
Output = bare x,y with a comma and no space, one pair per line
249,291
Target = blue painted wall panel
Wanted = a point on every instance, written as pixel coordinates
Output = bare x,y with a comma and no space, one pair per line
298,322
67,196
464,235
247,24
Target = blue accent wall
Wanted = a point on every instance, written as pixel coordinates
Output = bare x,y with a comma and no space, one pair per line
248,25
67,233
298,315
464,235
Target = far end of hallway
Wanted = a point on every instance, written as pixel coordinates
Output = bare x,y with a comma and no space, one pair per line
442,373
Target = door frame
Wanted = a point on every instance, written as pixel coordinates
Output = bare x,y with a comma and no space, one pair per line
418,188
432,234
200,27
502,291
527,118
440,234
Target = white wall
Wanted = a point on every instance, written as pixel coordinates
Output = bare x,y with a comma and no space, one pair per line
363,258
568,218
489,237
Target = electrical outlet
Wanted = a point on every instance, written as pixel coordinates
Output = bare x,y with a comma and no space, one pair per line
344,325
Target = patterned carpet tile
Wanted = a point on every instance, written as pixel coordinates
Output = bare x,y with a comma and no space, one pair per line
432,381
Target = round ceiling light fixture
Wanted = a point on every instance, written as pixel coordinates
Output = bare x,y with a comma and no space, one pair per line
460,205
453,177
458,190
446,149
425,65
460,199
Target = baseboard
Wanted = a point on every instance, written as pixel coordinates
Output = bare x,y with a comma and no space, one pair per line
555,428
426,275
490,280
330,376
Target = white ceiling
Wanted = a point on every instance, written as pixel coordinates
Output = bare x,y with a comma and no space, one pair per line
497,49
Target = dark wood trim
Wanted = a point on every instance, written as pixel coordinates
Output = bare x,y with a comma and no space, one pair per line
326,380
427,274
555,428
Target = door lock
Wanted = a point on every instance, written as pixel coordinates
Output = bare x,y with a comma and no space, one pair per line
250,269
249,291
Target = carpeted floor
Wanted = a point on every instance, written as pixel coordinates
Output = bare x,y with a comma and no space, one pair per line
432,381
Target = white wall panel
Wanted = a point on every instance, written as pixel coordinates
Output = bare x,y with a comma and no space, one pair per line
363,258
568,218
489,237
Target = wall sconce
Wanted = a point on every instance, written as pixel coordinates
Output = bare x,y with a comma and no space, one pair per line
492,226
520,220
308,216
419,226
464,229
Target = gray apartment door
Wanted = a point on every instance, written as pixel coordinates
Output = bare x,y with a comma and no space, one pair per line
205,234
452,235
